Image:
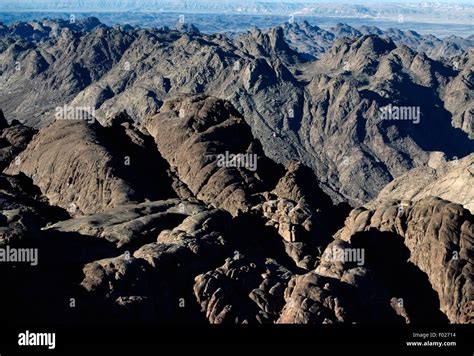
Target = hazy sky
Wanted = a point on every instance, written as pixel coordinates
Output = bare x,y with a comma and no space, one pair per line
12,5
32,2
364,1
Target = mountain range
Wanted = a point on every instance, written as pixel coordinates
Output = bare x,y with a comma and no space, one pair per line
289,175
324,113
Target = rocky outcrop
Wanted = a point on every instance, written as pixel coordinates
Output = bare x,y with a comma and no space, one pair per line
438,236
23,210
58,157
357,282
448,179
140,280
314,299
210,148
131,224
242,291
14,138
302,214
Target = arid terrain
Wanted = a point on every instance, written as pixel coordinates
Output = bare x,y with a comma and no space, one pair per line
290,175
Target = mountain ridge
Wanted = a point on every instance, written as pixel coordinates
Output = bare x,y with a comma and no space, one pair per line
286,97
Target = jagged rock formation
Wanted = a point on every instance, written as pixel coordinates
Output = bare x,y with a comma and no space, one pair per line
411,255
459,96
313,41
126,248
301,213
297,107
438,235
227,165
177,209
40,30
338,112
242,292
56,71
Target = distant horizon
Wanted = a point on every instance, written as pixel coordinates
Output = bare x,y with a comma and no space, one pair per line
15,5
204,23
348,2
440,18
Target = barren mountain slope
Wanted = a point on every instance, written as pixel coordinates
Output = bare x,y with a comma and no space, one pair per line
272,254
325,113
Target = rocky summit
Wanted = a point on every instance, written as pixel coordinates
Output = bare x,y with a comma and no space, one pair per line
290,175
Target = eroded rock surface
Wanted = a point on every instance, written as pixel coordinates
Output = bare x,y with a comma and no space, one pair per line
438,236
59,156
200,138
162,232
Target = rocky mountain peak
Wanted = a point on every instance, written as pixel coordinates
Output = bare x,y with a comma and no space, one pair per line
344,30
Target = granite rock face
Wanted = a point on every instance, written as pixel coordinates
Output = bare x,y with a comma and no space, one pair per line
210,148
400,263
438,238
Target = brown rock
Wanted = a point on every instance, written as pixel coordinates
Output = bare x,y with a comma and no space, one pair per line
197,135
117,173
